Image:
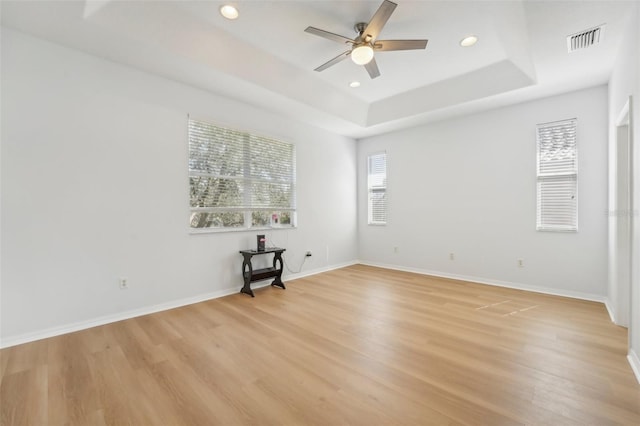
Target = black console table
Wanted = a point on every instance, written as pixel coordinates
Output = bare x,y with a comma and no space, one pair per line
250,275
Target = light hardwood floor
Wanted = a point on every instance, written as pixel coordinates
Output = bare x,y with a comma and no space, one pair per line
359,345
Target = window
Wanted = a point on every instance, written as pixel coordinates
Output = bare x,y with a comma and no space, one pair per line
557,176
238,180
377,188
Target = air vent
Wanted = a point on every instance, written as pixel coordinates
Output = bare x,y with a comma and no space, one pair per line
585,39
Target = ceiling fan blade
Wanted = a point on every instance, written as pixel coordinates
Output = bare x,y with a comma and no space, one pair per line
328,35
379,19
400,44
372,68
334,61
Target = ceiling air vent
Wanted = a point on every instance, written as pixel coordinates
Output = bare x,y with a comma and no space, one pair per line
585,39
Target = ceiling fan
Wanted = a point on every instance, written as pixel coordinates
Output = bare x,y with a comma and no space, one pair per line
366,42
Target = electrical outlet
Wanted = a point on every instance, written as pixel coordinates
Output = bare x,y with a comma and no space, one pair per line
520,263
124,283
452,256
308,254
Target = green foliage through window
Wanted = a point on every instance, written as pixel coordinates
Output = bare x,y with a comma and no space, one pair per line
239,180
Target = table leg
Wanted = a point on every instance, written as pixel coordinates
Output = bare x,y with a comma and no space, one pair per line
277,258
246,264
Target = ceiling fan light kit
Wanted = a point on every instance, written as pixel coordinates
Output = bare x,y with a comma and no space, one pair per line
366,42
362,54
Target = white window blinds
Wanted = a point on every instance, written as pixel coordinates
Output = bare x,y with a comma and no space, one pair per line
557,176
377,189
239,180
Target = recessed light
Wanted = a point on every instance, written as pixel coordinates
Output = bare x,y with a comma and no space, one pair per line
229,11
469,41
354,84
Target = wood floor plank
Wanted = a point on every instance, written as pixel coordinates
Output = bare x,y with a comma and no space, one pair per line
359,345
23,397
24,357
72,398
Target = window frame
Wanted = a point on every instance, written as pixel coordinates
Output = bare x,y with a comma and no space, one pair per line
380,188
567,175
247,179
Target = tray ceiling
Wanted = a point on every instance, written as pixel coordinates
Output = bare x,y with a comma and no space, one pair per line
265,58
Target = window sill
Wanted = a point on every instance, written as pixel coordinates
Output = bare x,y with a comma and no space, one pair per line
196,231
562,230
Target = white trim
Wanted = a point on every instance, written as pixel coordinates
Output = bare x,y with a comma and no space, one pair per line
607,304
316,271
6,342
107,319
634,362
623,115
518,286
200,231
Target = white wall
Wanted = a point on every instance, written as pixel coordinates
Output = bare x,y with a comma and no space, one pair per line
468,186
625,81
95,187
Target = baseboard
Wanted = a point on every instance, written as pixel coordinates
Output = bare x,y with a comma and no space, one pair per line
316,271
607,304
634,361
6,342
94,322
498,283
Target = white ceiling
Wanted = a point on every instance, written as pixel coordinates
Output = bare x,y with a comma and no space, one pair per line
265,58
